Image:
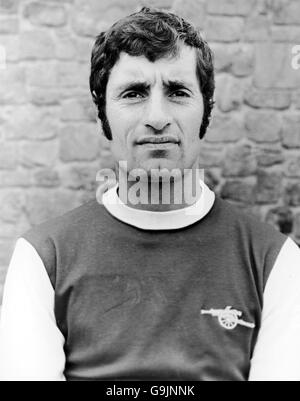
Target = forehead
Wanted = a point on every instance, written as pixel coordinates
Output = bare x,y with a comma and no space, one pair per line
139,68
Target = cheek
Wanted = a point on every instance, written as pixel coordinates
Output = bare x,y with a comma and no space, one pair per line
118,146
111,113
122,121
192,125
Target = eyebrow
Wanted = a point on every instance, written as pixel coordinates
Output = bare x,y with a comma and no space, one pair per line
142,85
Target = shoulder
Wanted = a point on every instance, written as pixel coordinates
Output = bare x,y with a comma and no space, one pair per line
74,221
258,241
248,224
49,239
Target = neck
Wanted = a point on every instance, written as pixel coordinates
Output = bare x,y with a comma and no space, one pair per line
162,195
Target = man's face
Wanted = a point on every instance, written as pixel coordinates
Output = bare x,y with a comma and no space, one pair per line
155,111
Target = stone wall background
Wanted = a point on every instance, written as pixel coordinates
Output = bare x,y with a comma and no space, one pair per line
50,141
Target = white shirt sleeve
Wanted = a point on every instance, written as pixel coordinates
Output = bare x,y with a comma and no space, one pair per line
31,345
277,351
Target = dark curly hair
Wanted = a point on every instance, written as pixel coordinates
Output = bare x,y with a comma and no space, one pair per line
154,34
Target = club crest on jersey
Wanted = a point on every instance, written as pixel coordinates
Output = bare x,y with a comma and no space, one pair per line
228,318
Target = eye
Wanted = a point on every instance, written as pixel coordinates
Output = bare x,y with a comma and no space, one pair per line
132,95
179,93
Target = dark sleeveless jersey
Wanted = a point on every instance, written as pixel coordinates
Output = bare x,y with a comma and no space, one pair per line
137,304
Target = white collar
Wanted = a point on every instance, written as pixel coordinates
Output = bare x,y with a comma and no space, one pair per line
152,220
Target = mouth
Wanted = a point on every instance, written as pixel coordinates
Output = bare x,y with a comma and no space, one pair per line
163,140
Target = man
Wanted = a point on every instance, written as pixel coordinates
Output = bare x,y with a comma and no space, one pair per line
189,289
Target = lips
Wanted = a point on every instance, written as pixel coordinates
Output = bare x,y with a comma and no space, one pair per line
158,140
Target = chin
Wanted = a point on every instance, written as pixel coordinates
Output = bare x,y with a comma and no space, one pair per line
160,168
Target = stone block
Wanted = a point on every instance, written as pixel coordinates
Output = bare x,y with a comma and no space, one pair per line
286,12
88,25
13,85
222,56
210,156
273,67
224,29
257,28
194,12
268,188
292,194
263,126
242,60
68,2
84,48
292,168
90,18
30,122
225,128
267,98
78,109
11,47
42,205
15,179
9,6
285,34
66,46
239,160
43,74
268,156
229,93
79,142
8,156
45,14
72,74
163,4
44,97
230,7
9,25
291,131
36,45
237,58
46,177
11,206
237,190
38,154
281,218
79,177
8,230
296,99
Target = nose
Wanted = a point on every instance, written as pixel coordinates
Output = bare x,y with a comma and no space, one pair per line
157,115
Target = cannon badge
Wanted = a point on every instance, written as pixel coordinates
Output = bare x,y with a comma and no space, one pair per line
228,318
